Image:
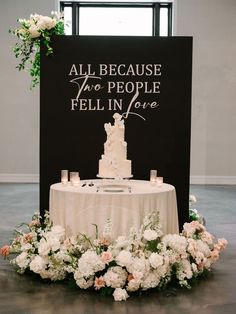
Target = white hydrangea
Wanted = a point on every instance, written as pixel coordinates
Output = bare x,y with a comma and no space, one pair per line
184,270
192,247
140,265
133,285
189,229
54,273
120,294
38,264
22,260
187,268
82,282
203,248
115,277
90,263
176,242
207,237
151,280
199,258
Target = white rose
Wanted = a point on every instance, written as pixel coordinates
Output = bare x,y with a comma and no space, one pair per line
155,260
58,231
46,22
22,260
120,294
150,235
34,31
38,264
124,258
44,247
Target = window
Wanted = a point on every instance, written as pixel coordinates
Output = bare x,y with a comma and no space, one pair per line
117,18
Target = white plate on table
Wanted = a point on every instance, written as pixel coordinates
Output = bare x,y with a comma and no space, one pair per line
113,188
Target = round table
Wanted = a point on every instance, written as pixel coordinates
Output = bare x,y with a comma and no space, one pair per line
125,203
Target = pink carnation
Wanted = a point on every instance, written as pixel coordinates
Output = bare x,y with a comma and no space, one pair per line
106,257
99,283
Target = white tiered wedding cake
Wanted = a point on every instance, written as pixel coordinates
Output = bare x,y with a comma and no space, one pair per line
114,163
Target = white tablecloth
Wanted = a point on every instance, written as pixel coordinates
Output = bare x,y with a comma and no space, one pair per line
76,208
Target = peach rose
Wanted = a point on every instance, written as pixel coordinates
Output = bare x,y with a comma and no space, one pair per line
104,242
28,237
222,243
34,223
130,277
5,250
214,255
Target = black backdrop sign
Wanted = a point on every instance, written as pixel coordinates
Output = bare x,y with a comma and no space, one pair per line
88,79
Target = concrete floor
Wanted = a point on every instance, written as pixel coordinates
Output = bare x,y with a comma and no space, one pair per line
215,294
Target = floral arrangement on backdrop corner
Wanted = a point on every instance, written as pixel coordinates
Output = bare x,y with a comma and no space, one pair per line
144,259
37,30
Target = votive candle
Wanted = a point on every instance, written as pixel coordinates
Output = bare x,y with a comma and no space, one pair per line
64,177
153,175
159,181
74,178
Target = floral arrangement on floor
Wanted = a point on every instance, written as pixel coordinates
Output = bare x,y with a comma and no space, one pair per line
140,261
38,29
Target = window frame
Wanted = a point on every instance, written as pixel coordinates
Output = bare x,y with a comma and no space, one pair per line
156,7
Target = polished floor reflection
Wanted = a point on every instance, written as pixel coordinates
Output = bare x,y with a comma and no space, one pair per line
213,295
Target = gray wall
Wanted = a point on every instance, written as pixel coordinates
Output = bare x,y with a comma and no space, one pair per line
19,107
212,24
